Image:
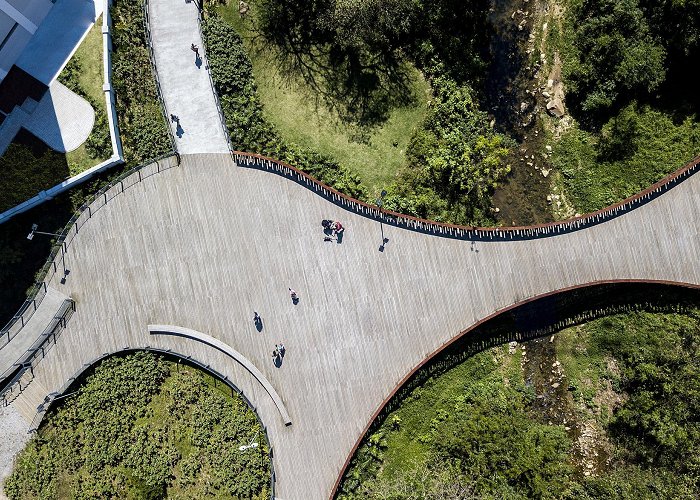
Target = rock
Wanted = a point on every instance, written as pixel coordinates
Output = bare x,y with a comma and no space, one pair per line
523,107
549,198
548,148
555,385
556,107
511,347
496,209
546,94
550,84
544,27
545,172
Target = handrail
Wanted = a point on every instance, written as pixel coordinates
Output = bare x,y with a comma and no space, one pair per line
51,398
154,70
65,237
253,160
205,59
188,333
31,357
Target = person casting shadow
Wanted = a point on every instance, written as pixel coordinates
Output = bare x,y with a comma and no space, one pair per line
257,319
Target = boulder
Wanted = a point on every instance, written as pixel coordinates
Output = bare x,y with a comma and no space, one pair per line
556,107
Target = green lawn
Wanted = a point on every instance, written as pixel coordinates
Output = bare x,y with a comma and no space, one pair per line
376,158
88,83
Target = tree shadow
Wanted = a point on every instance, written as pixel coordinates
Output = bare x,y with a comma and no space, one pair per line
359,86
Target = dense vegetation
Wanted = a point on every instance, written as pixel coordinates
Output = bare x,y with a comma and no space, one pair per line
141,121
29,166
454,160
249,131
473,431
141,427
627,65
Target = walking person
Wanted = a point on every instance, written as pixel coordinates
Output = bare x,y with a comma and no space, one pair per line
293,295
195,49
174,118
281,349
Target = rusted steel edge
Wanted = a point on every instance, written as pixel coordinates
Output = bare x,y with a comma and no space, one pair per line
461,334
565,225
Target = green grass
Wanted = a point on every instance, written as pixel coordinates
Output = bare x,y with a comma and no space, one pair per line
301,120
634,149
89,80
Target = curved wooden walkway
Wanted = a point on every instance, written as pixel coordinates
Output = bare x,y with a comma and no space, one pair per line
229,351
207,243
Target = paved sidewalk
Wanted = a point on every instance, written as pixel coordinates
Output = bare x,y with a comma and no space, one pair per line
184,83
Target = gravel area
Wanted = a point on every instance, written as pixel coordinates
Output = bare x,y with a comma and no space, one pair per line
13,433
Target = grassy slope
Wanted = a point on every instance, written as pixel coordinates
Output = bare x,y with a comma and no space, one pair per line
90,56
299,120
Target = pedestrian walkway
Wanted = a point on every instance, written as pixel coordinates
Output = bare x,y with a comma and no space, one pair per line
19,345
185,84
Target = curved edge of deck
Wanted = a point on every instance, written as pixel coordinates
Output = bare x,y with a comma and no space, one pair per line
458,337
229,351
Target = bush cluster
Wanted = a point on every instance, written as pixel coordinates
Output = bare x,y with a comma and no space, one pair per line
143,128
139,428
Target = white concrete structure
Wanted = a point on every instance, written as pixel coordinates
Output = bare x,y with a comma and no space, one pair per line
19,21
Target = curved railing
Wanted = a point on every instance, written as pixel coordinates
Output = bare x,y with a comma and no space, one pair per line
17,377
51,398
405,385
465,232
66,235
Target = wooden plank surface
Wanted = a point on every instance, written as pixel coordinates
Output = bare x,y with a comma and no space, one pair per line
204,245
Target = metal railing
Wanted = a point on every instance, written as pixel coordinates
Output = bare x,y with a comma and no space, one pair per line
154,70
66,235
252,160
51,398
23,369
25,312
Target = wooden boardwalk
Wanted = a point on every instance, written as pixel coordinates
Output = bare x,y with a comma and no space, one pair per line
205,244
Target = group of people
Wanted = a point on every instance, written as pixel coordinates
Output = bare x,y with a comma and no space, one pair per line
332,228
279,351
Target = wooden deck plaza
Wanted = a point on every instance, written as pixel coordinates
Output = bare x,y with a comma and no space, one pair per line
205,244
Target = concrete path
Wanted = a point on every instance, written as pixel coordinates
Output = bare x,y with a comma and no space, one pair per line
185,82
15,433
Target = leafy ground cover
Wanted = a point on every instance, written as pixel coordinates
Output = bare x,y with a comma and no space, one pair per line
144,131
83,75
473,431
142,427
635,111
